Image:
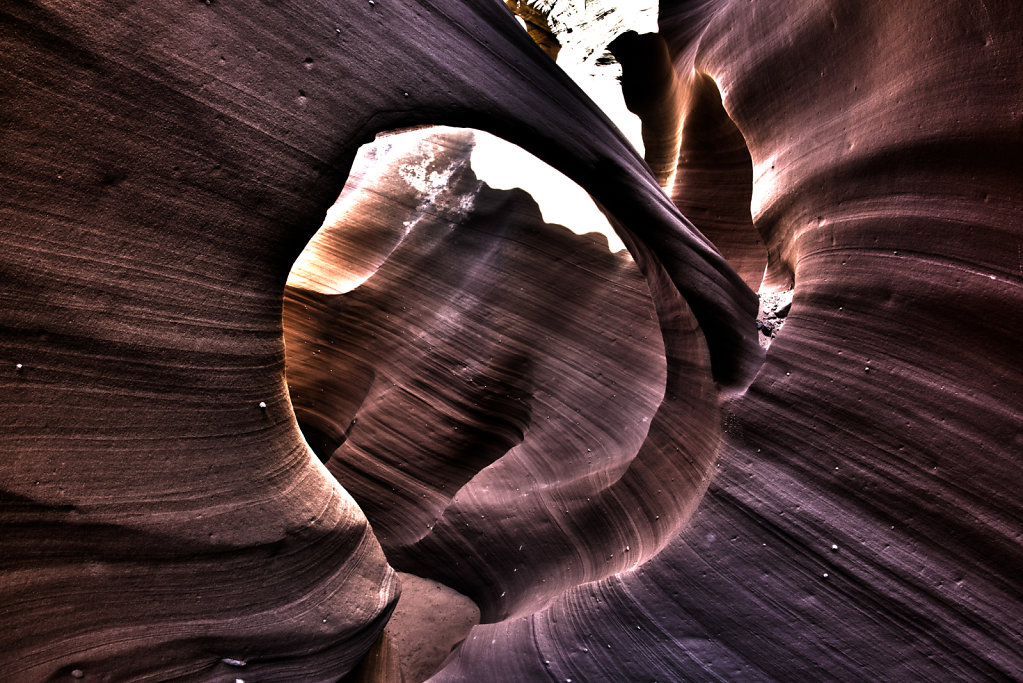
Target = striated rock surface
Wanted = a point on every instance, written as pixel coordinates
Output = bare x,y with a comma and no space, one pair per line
863,523
163,167
537,26
713,183
498,394
451,357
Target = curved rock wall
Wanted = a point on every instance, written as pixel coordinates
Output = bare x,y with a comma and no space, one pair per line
863,522
495,396
163,167
161,515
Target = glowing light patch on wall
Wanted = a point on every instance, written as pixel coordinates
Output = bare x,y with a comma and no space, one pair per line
316,268
765,186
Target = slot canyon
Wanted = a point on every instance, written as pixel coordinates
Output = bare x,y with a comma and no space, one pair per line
539,340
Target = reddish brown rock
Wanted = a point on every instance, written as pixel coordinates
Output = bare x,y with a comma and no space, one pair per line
161,516
495,394
864,522
163,167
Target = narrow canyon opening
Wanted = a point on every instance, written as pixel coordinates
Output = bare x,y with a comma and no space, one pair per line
426,325
438,401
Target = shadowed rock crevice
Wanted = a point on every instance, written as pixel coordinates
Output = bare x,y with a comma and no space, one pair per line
714,181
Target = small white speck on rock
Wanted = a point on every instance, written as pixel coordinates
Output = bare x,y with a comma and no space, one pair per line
230,661
825,575
19,367
77,673
262,405
834,548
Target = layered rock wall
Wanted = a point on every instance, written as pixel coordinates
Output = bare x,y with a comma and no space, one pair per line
848,512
